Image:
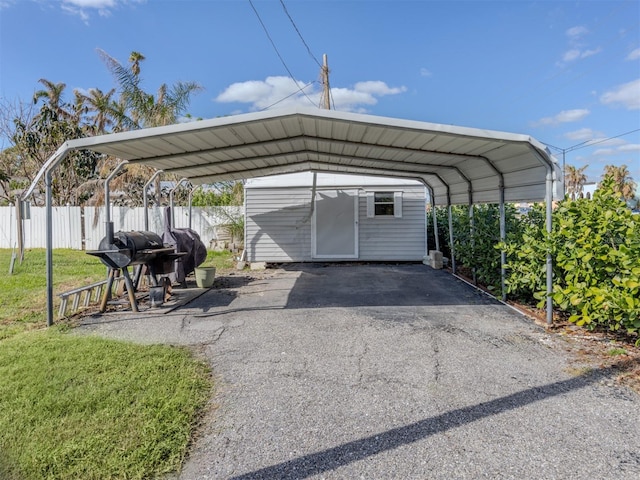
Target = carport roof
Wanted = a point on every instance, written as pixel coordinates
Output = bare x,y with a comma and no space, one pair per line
459,164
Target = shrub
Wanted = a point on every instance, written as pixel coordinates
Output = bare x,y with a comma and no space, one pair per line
477,252
596,249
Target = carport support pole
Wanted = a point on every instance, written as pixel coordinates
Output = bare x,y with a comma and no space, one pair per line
48,183
435,220
107,202
46,170
549,257
191,201
472,232
182,180
145,199
451,237
503,237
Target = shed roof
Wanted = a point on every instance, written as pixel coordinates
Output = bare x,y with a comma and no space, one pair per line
329,180
459,164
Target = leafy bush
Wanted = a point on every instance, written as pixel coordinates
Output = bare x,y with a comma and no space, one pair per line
596,249
477,252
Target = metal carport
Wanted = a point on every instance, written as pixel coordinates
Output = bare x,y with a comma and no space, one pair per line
458,165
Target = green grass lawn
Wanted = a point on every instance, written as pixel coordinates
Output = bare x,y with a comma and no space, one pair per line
77,407
23,294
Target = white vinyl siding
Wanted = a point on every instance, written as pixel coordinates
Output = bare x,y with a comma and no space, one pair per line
278,225
399,237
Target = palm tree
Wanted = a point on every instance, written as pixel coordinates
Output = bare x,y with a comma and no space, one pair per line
623,184
574,180
102,106
135,109
144,109
53,93
78,108
134,59
171,102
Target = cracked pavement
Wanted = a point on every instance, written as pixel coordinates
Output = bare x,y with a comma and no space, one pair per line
387,371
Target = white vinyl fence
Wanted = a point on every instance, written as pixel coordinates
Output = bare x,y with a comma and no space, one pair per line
83,227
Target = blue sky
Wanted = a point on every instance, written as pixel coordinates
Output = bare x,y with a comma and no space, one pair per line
564,72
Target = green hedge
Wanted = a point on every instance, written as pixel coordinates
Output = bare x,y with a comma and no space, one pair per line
595,245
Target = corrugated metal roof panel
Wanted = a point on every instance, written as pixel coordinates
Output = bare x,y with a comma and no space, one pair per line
272,142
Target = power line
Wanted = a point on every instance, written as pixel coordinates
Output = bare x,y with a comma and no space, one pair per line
301,89
299,34
580,145
589,143
326,99
264,27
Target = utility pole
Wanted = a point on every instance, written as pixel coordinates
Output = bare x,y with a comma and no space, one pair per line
325,99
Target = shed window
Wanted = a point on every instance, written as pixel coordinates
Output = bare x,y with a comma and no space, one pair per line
384,204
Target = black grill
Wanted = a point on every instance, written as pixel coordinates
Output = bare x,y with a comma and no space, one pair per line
135,248
120,250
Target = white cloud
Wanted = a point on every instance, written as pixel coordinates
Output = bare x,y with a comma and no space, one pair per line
634,55
273,90
630,147
576,54
571,55
583,134
283,91
605,152
577,49
627,95
83,8
565,116
425,73
615,147
589,53
576,32
91,3
377,87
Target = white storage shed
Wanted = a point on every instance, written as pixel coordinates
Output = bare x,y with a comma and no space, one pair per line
306,217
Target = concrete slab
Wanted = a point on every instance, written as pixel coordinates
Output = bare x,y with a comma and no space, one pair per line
388,371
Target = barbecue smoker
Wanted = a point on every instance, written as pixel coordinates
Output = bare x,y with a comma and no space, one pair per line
121,250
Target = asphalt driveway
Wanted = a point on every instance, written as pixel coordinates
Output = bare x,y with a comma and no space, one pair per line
385,372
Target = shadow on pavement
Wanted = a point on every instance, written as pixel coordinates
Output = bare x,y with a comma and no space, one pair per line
375,284
333,458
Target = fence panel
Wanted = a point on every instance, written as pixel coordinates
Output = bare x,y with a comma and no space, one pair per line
68,231
8,234
66,228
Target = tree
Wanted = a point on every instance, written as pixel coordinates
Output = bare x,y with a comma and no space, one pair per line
35,134
229,193
101,106
15,169
623,184
53,92
574,179
134,59
136,108
145,109
36,140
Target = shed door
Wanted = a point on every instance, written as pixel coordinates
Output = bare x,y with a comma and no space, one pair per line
335,223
